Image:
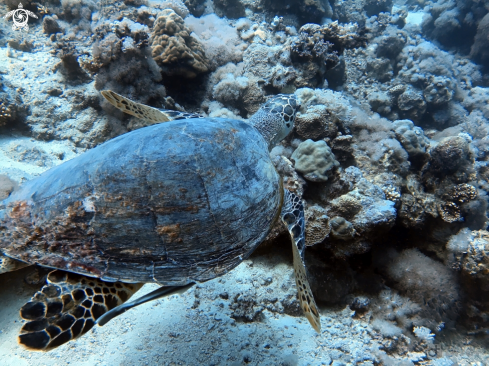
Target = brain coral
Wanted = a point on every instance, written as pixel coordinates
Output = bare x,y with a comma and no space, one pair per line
178,53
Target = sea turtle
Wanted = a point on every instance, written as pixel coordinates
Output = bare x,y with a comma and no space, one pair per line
172,203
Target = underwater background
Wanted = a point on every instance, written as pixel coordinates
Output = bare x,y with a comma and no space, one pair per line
390,152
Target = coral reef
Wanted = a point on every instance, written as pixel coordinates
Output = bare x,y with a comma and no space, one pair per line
389,152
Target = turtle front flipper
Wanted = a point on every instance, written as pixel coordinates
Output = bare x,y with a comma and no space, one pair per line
293,216
8,264
147,113
67,307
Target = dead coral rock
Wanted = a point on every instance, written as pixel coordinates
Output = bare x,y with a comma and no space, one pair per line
196,7
229,8
450,155
439,91
341,147
412,104
480,48
69,66
302,9
316,124
24,46
462,193
178,53
416,205
317,49
450,212
476,261
380,69
50,25
342,229
245,308
374,7
390,46
413,210
317,225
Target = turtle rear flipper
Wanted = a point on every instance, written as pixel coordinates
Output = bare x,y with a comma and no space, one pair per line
8,264
67,307
293,216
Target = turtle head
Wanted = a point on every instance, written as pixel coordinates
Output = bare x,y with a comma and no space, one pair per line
275,119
